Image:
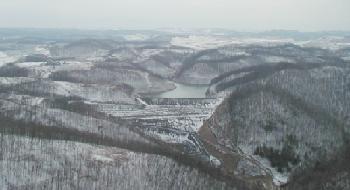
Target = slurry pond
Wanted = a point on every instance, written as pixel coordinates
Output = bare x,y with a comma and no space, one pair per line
184,91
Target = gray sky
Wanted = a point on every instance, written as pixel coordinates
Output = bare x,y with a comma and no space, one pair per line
305,15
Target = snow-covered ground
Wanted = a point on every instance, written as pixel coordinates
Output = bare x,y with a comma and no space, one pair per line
327,42
32,163
200,42
4,58
184,117
43,69
136,37
15,80
42,50
96,88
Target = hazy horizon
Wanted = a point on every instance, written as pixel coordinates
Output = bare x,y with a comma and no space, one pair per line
240,15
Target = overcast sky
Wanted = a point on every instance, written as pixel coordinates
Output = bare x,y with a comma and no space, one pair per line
305,15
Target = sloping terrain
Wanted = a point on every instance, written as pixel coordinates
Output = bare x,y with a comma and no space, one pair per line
81,111
288,117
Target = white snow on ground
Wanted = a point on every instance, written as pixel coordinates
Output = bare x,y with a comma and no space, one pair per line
30,64
94,93
30,163
277,59
136,37
216,162
22,99
146,54
329,42
201,42
171,138
26,177
184,117
278,178
346,58
65,88
74,65
42,50
97,93
141,101
265,41
324,72
125,54
190,123
72,120
14,80
4,58
249,168
102,158
42,70
109,155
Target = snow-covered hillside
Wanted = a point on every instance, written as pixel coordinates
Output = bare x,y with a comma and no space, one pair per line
85,110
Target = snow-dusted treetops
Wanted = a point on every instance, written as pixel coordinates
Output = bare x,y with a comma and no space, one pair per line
87,110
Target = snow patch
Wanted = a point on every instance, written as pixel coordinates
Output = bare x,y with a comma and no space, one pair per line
200,42
30,64
136,37
172,138
14,80
278,177
4,59
101,158
42,50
